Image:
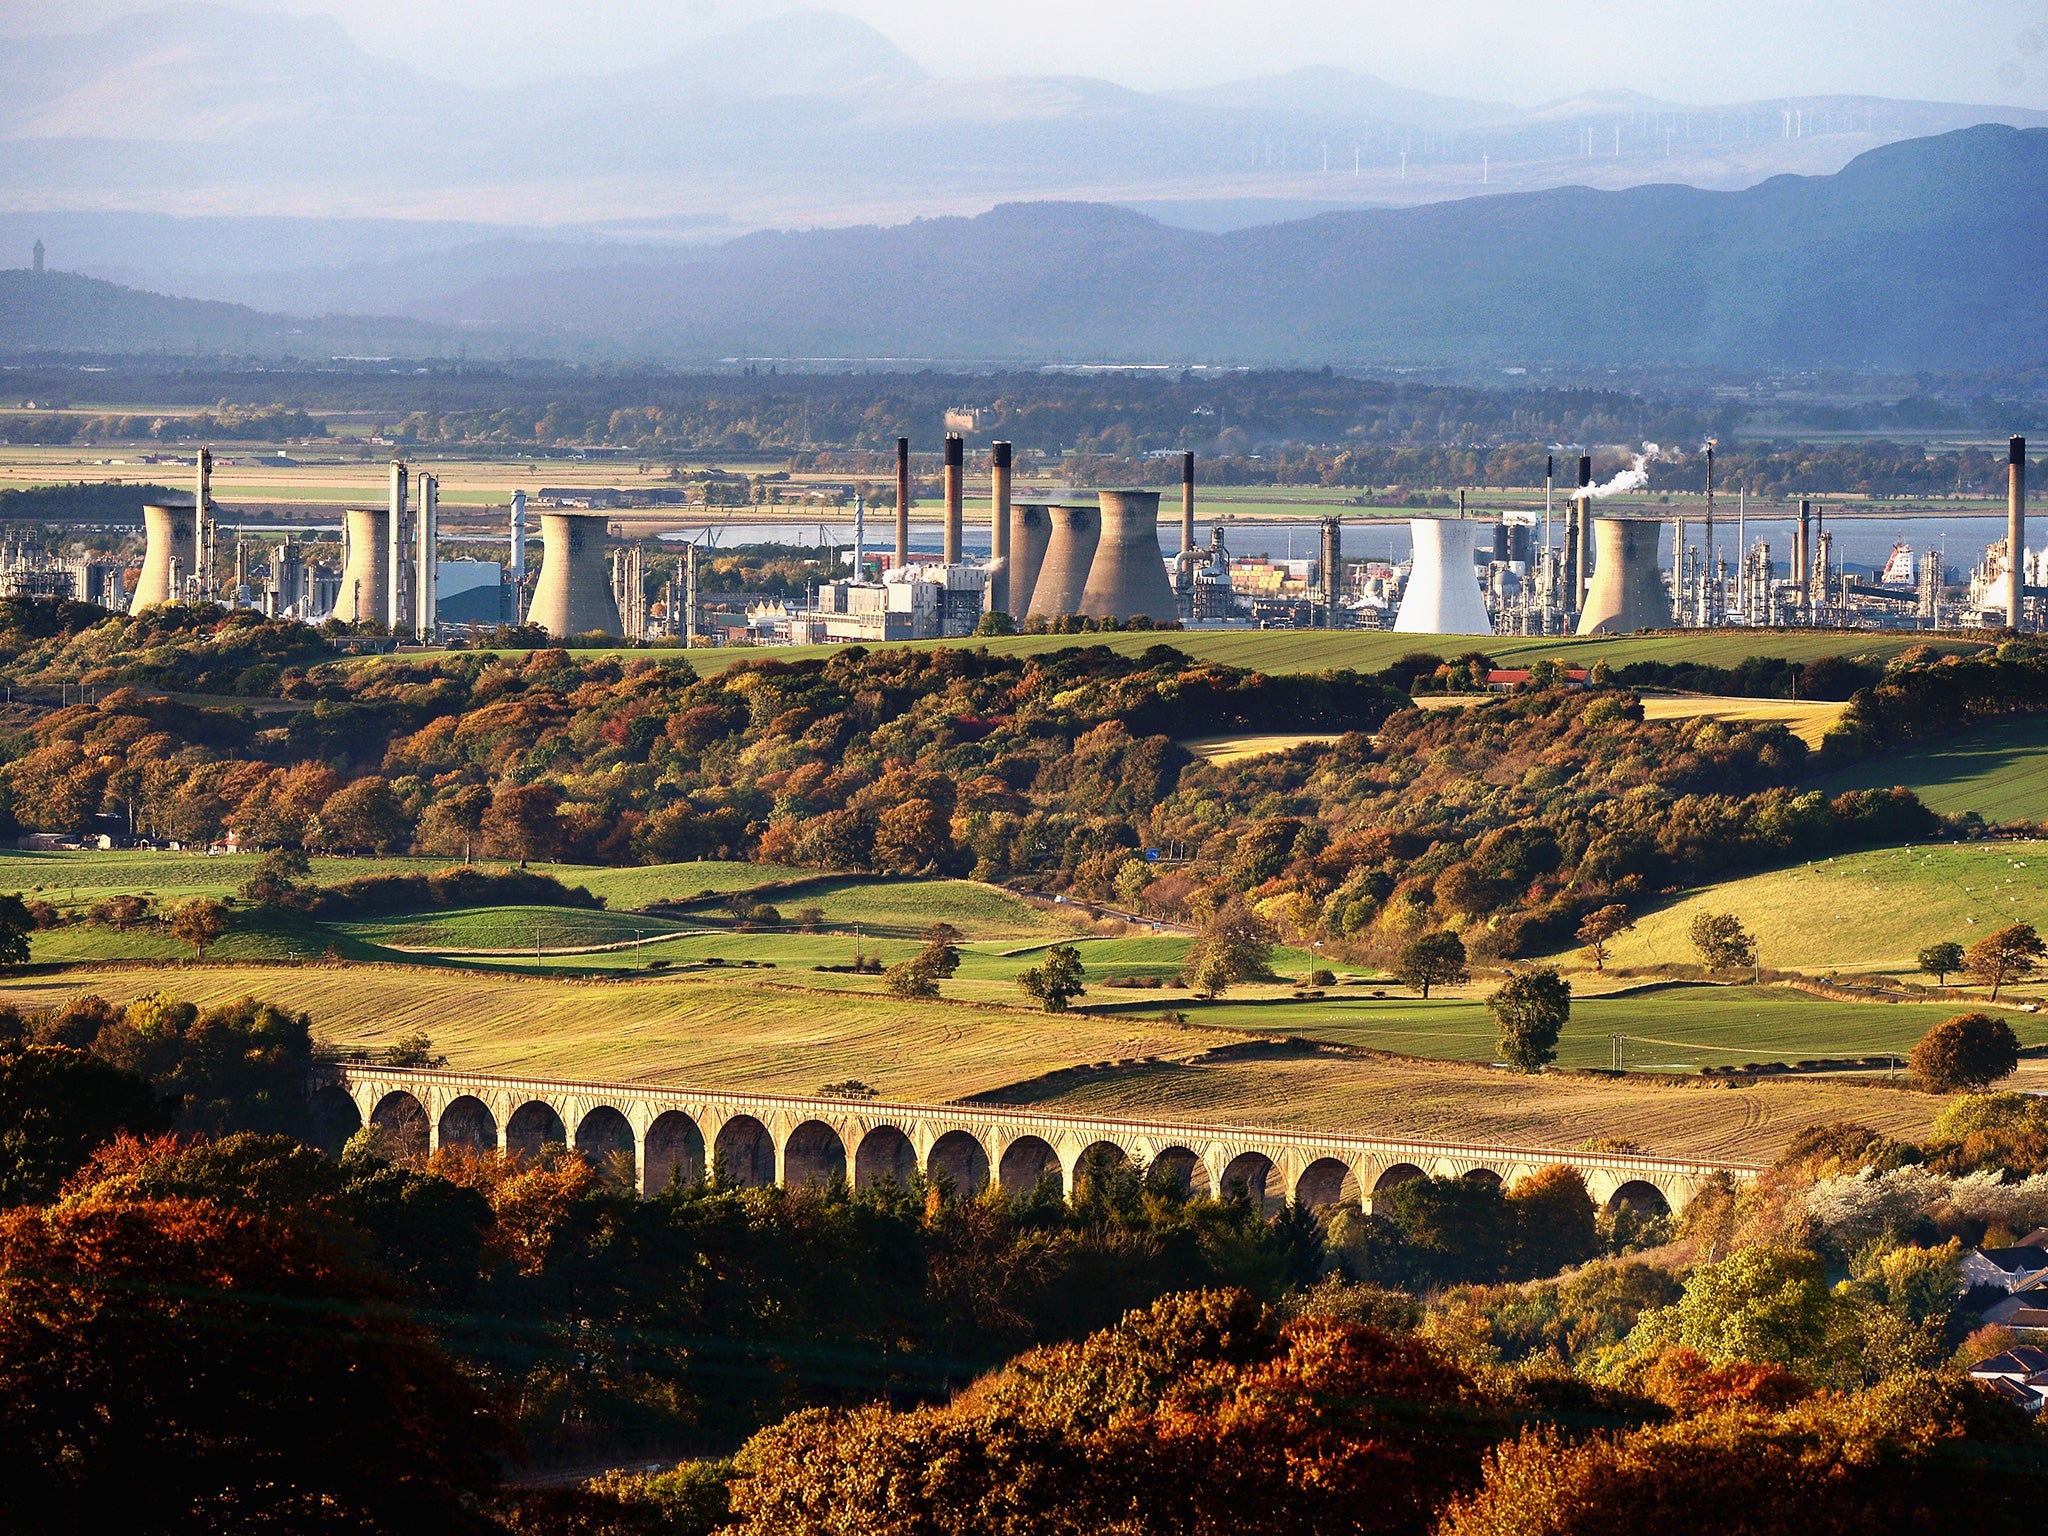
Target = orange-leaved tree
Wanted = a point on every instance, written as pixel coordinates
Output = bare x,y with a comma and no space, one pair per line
174,1365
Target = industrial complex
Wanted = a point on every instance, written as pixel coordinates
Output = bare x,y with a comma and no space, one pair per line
1074,557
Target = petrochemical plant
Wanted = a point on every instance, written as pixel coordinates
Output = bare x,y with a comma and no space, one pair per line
1566,570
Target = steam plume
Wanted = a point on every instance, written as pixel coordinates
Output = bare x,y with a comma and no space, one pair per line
1634,478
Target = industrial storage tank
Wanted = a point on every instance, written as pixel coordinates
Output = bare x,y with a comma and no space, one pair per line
366,572
1030,529
1069,553
1627,590
1443,596
1128,575
167,554
573,595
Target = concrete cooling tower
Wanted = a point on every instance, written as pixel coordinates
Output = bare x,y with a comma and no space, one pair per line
574,593
1030,528
1128,576
1627,590
1443,596
1069,552
167,554
366,570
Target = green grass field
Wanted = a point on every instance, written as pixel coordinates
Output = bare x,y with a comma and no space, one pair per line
1999,771
1868,912
502,928
1672,1028
1282,651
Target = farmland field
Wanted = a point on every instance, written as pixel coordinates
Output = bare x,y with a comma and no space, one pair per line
733,1028
1392,1096
746,1029
1999,771
1807,719
1862,912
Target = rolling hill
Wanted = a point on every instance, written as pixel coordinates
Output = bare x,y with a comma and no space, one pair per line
1931,253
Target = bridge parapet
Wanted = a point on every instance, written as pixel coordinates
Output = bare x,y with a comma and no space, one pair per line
761,1138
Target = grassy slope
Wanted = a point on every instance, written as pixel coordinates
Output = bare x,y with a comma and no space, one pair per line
1871,911
1276,651
2000,771
731,1029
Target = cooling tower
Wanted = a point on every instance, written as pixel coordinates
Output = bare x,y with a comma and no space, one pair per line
1128,576
1030,528
1627,591
365,573
574,593
167,558
1443,588
1069,552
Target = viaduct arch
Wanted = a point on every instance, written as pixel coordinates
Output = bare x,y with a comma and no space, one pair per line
655,1134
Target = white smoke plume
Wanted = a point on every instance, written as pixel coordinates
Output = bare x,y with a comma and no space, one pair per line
1634,478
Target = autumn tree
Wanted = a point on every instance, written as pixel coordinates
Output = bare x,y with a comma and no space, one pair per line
1057,981
1531,1008
364,817
1600,929
1722,941
165,1357
1434,959
57,1104
1969,1051
523,822
1941,961
199,922
1555,1221
1236,944
453,822
1900,1457
2012,954
920,975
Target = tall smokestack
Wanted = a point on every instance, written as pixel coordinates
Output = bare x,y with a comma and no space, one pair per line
956,463
1709,595
395,562
902,502
1549,479
427,584
1187,504
517,568
202,494
999,528
2015,529
1802,560
1582,533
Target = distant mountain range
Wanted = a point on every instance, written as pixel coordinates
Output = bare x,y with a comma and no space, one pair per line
805,120
1932,253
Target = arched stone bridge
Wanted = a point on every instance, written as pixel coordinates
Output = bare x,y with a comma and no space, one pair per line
761,1139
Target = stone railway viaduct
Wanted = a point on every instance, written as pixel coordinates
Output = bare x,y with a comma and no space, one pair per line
758,1139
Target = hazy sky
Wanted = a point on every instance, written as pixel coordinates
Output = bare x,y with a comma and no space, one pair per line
1993,51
